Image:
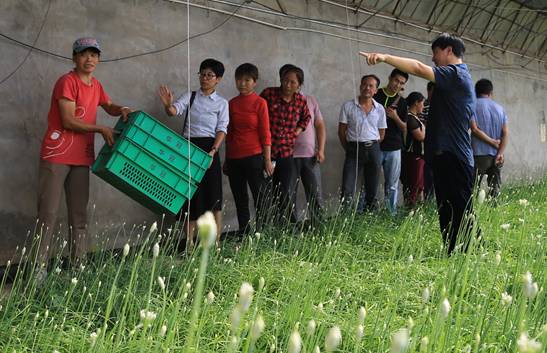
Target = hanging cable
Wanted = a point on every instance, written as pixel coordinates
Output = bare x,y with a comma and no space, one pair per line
31,47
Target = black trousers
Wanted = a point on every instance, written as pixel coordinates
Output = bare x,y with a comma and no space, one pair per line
453,180
366,158
307,171
243,172
486,165
281,190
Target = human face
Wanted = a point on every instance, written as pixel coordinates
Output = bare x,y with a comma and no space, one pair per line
396,83
86,61
290,84
420,106
440,56
245,84
368,87
208,80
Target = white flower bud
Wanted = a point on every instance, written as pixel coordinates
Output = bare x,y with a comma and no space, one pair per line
258,327
261,282
527,345
93,338
445,308
498,258
505,226
245,295
295,342
235,318
161,282
359,332
399,341
530,287
426,294
333,339
311,328
156,250
523,202
424,342
153,228
74,281
362,314
207,229
125,250
506,298
482,196
316,350
210,297
163,331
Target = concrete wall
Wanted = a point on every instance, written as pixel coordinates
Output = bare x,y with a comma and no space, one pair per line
127,27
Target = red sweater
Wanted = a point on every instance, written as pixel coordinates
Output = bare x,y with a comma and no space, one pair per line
249,127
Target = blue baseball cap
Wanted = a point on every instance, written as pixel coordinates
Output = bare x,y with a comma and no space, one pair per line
82,44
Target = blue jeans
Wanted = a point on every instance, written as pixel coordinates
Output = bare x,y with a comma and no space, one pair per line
391,163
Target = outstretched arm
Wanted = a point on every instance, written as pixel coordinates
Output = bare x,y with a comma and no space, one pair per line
411,66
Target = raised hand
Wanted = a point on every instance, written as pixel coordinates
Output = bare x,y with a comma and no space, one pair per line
166,96
373,58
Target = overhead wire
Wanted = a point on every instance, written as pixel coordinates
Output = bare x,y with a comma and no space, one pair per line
31,47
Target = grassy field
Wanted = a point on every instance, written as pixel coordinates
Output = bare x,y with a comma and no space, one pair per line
365,284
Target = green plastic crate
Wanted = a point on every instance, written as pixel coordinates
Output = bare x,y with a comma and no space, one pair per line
151,173
165,144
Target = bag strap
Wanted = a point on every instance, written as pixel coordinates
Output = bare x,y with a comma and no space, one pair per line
192,97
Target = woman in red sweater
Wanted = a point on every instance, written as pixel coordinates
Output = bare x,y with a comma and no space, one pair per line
248,145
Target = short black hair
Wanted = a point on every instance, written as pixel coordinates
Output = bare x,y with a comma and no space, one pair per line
295,70
214,65
95,50
284,68
374,77
483,86
247,69
398,72
430,85
446,40
414,98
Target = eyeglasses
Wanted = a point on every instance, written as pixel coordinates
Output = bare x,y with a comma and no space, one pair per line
207,75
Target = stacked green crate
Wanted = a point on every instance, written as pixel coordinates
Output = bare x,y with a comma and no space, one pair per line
152,164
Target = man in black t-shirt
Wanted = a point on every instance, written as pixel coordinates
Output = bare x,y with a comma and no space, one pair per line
396,112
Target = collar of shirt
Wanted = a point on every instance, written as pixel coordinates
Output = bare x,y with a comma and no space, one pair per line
213,96
375,104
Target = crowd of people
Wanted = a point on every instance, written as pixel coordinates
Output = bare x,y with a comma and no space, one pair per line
276,139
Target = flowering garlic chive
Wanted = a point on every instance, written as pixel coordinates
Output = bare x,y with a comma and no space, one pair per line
257,235
320,306
316,350
410,323
498,258
125,250
530,287
147,316
163,330
505,226
337,293
161,282
445,308
311,328
261,282
482,196
506,298
410,258
426,294
424,342
359,332
57,270
295,342
153,228
257,328
207,229
399,341
333,339
411,213
93,338
527,345
74,281
523,202
235,318
245,295
210,297
362,314
156,250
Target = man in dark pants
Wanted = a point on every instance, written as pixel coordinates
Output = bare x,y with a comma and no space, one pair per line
448,140
490,135
361,128
428,173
